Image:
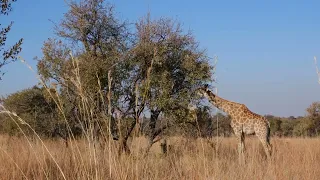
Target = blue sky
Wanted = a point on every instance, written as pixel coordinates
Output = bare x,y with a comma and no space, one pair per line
265,49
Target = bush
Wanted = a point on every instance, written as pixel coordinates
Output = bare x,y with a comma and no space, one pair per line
33,108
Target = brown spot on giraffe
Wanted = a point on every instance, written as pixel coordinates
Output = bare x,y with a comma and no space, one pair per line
243,121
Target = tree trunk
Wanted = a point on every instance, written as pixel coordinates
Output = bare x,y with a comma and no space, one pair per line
112,123
137,109
123,140
152,125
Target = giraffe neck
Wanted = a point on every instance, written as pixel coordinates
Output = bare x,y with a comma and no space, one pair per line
222,104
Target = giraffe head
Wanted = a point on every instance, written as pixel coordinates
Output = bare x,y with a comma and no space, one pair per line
204,91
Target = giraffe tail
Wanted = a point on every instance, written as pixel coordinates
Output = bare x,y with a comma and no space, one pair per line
268,123
268,136
268,130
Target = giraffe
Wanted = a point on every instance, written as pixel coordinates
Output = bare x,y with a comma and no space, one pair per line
243,121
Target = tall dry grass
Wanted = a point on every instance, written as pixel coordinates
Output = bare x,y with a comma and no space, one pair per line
186,159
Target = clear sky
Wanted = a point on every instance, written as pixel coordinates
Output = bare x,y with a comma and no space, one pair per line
265,49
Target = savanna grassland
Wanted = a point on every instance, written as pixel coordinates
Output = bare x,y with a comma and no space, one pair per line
133,83
293,158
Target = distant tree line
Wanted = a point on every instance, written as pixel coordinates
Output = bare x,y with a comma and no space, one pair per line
306,126
36,107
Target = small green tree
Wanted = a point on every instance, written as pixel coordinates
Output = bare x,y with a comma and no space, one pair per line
275,124
303,128
33,108
221,124
313,116
287,127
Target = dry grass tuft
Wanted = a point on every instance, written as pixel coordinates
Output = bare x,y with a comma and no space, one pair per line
186,159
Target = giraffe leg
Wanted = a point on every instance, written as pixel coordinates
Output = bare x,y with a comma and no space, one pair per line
267,148
265,143
241,146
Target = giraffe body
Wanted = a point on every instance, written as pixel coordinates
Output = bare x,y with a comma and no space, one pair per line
243,121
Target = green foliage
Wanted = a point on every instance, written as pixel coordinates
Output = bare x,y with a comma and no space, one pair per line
221,124
287,127
303,128
102,40
275,124
297,126
168,66
179,65
198,124
8,54
33,108
313,114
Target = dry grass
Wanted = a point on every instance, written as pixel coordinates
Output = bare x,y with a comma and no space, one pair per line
186,159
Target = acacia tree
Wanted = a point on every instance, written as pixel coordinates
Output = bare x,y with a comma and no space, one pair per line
164,65
89,77
153,71
8,54
178,67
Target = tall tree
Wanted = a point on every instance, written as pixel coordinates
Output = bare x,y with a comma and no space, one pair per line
99,41
152,70
179,66
8,54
